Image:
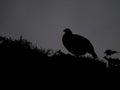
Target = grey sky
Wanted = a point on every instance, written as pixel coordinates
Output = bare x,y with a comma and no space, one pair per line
43,21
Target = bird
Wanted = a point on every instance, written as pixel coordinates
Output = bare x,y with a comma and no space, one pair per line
77,44
109,52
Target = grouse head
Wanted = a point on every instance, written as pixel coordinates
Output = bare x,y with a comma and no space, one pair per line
67,31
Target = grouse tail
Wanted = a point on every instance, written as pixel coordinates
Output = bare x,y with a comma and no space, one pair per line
94,55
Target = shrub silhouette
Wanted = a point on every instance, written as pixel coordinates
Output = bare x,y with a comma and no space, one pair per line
113,64
109,52
21,55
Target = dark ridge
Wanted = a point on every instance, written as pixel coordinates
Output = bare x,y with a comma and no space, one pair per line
20,56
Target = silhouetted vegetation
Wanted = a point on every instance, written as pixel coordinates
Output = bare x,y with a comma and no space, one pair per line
22,55
109,52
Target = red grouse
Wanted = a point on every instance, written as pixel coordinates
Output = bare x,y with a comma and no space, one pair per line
76,44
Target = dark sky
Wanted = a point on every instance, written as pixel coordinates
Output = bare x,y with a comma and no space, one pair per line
43,21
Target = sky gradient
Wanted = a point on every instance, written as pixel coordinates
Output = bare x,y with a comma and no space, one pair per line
42,22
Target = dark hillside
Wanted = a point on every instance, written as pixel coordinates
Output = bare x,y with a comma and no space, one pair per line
21,55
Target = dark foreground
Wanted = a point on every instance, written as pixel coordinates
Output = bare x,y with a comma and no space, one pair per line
20,59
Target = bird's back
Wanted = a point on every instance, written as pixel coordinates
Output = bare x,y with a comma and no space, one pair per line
76,44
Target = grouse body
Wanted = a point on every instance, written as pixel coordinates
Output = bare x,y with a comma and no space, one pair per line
76,44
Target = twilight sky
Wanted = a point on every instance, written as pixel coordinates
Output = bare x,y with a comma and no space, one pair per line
42,22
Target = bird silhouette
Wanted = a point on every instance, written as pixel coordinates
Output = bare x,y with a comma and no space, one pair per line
109,52
76,44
